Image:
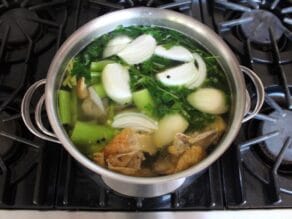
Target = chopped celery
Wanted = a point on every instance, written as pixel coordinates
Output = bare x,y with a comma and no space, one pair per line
74,107
99,90
111,114
64,101
98,66
86,133
95,77
143,101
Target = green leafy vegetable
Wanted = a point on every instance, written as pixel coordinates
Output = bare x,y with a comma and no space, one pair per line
80,70
167,100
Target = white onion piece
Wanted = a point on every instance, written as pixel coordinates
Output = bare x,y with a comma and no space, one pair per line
178,53
116,79
208,100
180,75
137,121
139,50
169,126
96,99
202,72
115,45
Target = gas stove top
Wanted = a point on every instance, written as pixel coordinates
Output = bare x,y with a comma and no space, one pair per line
256,172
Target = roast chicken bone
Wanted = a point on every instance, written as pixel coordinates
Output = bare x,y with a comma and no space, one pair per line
189,149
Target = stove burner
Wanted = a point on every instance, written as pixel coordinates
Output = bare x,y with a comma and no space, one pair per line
20,24
257,26
267,152
262,21
273,145
30,27
6,143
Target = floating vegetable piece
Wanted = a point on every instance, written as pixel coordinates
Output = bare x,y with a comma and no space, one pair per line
136,121
99,66
74,107
116,80
180,75
208,100
64,102
95,77
99,89
116,45
96,99
168,126
139,50
89,133
178,53
143,101
81,88
202,72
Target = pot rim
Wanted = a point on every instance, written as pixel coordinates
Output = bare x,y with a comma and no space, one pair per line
56,65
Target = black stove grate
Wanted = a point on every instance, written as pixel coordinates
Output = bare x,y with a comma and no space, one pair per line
261,152
55,181
26,180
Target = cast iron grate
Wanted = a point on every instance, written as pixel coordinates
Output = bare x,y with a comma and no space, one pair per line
239,21
265,154
27,30
22,158
19,22
30,27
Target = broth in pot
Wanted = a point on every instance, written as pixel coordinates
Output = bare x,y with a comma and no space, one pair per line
144,101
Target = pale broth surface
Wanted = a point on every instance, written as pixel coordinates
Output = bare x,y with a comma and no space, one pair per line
144,101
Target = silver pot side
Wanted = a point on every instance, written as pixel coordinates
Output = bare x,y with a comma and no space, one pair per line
143,190
146,16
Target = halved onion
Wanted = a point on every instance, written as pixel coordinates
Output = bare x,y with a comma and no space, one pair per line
137,121
139,50
115,45
96,99
202,72
169,126
209,100
116,79
178,53
180,75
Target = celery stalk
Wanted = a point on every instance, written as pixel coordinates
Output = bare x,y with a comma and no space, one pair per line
74,107
90,133
98,66
99,89
64,100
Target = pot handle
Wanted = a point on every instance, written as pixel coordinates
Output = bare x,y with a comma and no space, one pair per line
260,91
40,131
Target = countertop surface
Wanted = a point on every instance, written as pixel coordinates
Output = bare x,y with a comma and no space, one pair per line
242,214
